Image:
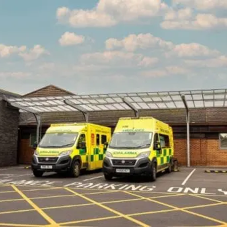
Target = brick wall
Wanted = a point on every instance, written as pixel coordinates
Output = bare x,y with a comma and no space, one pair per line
204,152
9,120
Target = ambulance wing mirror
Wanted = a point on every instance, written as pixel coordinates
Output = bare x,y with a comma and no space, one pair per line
157,145
105,145
82,145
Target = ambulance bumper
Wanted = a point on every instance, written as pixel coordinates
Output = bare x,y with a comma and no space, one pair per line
53,165
142,167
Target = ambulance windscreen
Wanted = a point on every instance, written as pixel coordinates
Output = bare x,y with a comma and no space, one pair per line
131,140
58,140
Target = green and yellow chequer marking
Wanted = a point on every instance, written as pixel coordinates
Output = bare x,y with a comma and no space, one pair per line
164,157
92,157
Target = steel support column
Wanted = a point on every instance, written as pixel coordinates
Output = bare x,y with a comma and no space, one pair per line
38,124
188,130
77,107
136,111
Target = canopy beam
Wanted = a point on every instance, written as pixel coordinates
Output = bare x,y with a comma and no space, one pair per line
77,107
136,111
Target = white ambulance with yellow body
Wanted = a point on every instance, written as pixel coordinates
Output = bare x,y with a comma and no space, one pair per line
139,146
70,148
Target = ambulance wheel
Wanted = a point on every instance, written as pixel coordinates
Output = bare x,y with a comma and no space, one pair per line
37,173
170,166
153,172
108,176
75,170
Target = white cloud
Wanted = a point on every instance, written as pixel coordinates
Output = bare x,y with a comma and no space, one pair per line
217,62
167,71
113,58
70,38
6,51
202,4
110,12
14,75
134,42
182,14
199,22
192,50
36,52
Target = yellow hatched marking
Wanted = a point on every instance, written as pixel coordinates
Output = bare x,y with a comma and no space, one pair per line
7,192
179,209
40,211
22,225
214,200
89,220
108,209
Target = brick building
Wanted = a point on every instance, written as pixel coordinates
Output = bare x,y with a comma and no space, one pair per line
208,125
9,121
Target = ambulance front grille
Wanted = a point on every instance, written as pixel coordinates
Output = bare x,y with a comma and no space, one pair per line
123,162
48,159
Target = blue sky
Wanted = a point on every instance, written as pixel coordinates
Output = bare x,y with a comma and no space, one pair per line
103,46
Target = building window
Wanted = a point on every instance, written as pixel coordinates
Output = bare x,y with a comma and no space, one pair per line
32,139
223,140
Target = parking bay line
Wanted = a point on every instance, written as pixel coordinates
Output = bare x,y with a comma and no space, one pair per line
108,208
178,209
186,179
40,211
92,178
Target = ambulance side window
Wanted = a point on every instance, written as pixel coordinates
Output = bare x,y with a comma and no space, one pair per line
164,140
97,139
81,141
103,139
155,140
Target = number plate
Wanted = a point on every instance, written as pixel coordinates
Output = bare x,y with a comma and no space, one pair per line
123,170
46,167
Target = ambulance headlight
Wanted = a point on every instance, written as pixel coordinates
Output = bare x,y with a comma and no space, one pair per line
144,154
66,153
108,154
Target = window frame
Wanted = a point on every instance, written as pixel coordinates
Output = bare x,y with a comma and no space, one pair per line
219,141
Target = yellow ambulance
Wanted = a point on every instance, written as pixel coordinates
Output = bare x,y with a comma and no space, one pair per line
139,146
70,148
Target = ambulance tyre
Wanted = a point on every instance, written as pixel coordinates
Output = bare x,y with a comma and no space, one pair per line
108,176
37,173
75,168
170,166
153,171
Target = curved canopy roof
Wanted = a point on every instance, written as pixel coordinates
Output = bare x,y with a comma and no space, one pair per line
124,101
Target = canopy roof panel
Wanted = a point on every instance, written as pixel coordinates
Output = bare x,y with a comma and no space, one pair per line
124,101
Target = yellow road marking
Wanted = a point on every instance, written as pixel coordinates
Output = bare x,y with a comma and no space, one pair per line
153,212
201,206
89,220
180,209
16,211
68,206
7,192
107,208
214,200
94,193
40,211
22,225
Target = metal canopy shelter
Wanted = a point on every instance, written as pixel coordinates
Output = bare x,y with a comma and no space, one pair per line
189,99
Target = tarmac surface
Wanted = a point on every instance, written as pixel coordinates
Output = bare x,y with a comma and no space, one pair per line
190,197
